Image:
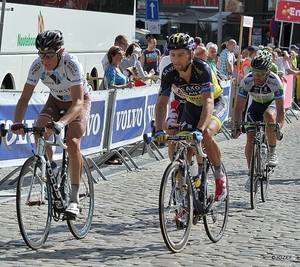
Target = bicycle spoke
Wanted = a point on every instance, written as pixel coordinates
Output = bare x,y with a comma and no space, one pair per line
33,207
81,225
215,220
175,208
254,176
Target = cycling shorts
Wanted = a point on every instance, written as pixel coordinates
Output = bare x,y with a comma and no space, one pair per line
255,112
191,114
53,107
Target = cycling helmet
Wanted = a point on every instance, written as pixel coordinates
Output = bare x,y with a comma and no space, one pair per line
263,60
48,40
179,41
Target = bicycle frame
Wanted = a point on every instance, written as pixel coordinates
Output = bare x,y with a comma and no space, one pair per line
42,159
180,154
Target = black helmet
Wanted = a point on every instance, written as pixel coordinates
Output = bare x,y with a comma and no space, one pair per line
48,40
263,60
179,41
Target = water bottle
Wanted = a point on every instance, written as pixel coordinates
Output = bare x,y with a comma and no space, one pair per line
195,174
264,151
264,155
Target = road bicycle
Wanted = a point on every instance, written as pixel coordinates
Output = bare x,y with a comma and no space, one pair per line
43,195
259,169
179,196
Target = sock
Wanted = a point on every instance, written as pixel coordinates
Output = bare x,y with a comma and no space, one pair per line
74,193
272,149
218,172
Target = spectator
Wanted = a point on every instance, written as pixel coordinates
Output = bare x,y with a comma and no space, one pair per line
227,59
246,65
294,48
212,57
122,41
198,41
267,38
114,79
151,56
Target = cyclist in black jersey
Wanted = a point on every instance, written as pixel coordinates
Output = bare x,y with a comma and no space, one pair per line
205,109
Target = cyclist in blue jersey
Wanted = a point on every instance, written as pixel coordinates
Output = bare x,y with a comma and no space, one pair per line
266,103
64,75
205,108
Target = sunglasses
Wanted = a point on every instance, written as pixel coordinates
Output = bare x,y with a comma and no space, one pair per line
259,73
47,55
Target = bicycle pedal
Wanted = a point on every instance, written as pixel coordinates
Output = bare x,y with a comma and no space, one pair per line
69,217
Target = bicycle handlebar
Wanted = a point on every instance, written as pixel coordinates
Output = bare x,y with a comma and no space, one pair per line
3,133
36,130
174,138
58,140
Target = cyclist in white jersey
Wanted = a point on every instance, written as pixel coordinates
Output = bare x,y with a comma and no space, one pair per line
63,74
266,103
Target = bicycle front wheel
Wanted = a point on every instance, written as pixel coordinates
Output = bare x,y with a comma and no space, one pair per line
216,218
34,204
175,207
81,225
264,183
254,175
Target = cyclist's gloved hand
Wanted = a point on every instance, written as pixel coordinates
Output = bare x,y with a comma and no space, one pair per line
160,136
279,135
235,131
56,127
195,135
17,128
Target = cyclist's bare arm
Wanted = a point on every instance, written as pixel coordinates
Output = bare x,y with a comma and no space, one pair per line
280,118
207,110
77,104
238,109
22,105
161,112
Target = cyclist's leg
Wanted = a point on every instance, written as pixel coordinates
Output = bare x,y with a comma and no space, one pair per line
255,112
73,140
270,116
172,125
49,113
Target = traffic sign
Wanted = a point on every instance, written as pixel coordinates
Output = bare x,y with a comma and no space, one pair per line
152,10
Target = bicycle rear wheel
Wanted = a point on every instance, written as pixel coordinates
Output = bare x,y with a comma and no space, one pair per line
254,175
81,225
216,218
175,207
264,183
34,205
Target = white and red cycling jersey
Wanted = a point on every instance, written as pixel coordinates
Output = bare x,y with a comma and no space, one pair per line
68,73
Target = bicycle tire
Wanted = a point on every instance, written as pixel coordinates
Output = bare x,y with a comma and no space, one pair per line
34,205
264,183
215,220
175,232
81,225
254,175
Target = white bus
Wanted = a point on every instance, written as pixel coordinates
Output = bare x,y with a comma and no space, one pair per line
89,28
